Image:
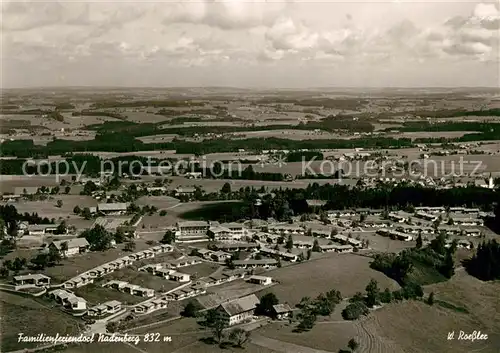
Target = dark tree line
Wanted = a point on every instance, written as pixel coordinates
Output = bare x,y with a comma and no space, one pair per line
485,264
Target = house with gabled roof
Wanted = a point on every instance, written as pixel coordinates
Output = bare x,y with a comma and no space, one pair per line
238,310
74,246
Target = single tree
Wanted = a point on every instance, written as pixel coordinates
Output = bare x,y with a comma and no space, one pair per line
372,293
315,246
64,248
265,307
59,203
191,309
419,243
289,243
430,299
130,246
168,237
77,210
353,344
239,336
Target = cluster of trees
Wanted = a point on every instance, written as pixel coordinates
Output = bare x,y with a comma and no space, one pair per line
248,173
360,303
342,123
100,239
437,256
323,305
168,237
16,265
485,264
113,141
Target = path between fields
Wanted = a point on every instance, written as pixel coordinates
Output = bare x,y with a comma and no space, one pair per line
135,347
282,346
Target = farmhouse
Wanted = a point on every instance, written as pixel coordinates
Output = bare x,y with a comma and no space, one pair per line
266,263
192,229
282,311
262,280
73,246
35,280
112,208
109,307
239,310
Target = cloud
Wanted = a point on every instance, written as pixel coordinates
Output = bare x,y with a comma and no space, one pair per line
241,34
226,14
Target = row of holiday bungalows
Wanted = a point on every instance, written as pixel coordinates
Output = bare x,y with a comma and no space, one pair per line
353,213
150,306
283,255
448,230
187,292
218,256
100,271
166,273
129,288
441,209
405,234
106,308
394,234
224,277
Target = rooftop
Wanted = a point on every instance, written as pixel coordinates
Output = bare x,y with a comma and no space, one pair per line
241,305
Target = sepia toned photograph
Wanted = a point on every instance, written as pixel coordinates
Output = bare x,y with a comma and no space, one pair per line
250,176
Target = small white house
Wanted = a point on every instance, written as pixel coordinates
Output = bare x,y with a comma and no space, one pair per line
262,280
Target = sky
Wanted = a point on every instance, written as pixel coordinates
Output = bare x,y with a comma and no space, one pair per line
250,43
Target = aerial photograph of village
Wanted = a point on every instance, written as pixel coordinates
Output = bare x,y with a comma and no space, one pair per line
248,176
